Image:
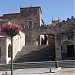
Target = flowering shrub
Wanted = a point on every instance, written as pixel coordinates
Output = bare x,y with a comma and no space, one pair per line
8,27
11,29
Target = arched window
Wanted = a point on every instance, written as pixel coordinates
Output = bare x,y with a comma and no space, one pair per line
9,50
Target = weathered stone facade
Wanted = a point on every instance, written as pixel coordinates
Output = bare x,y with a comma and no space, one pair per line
3,49
5,41
60,35
65,39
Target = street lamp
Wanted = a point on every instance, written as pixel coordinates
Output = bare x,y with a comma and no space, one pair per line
11,55
12,33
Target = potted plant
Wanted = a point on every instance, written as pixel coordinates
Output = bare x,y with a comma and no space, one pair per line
11,29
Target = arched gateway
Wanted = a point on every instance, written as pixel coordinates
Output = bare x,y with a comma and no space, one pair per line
67,50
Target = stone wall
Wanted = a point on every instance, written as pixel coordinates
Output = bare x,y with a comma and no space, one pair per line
64,32
3,49
18,43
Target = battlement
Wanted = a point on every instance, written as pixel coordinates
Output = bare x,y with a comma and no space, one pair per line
68,19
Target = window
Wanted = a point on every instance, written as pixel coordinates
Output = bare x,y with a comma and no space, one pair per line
29,11
23,12
35,11
9,50
61,48
0,52
30,24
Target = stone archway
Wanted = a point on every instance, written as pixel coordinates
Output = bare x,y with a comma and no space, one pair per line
47,40
67,49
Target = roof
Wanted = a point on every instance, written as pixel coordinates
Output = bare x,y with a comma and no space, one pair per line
31,7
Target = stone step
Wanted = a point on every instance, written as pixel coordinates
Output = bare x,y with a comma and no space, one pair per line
34,53
34,47
21,54
31,48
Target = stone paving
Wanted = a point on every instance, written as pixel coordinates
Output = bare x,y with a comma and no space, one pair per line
40,68
66,71
42,71
34,71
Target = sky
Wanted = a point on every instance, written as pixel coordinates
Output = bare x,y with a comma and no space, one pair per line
55,9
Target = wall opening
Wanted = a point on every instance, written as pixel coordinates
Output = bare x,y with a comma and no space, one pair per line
45,39
67,50
49,41
70,50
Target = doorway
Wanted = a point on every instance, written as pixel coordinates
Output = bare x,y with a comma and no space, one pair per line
70,50
67,50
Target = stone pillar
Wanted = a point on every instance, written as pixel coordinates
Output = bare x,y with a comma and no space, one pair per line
41,37
58,53
38,40
47,40
57,49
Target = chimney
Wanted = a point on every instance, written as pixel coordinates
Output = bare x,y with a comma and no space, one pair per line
63,21
72,17
68,19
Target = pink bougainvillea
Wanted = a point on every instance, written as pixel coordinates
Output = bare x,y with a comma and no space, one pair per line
11,27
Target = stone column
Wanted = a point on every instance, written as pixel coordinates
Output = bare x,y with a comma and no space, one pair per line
47,40
38,40
58,53
57,49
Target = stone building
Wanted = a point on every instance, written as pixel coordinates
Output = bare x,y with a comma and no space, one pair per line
41,42
5,46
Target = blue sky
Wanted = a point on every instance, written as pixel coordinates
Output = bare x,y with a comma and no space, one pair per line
50,8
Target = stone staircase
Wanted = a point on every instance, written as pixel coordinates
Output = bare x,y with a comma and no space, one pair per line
34,53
